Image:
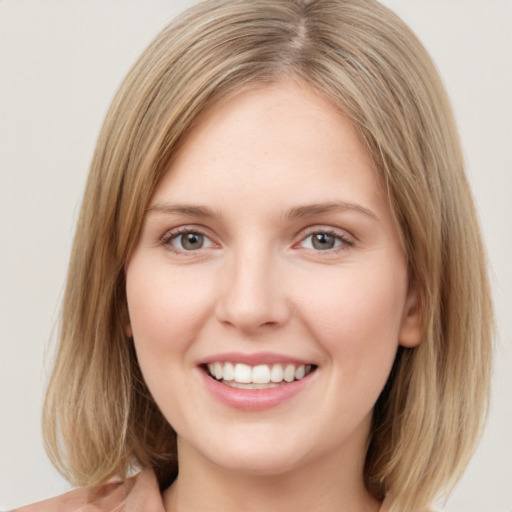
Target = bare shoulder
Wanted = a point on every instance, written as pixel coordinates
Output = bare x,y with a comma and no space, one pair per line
100,499
137,493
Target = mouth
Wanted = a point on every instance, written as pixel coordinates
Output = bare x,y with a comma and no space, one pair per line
261,376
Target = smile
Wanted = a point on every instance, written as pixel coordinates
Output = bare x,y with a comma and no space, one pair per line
254,382
261,376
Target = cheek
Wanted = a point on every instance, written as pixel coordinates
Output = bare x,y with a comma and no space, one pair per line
165,310
356,316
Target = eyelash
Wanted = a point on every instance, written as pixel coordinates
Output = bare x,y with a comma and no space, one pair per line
344,244
168,238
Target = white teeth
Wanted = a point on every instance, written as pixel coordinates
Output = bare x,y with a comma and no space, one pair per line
276,374
289,373
218,371
300,371
229,372
262,374
243,373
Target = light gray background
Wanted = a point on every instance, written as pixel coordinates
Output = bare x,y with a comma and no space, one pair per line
60,64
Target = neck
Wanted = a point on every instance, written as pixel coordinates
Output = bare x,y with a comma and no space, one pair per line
325,485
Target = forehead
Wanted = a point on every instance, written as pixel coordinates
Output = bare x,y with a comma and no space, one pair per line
284,138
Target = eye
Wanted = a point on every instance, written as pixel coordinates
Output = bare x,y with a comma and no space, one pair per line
186,240
325,241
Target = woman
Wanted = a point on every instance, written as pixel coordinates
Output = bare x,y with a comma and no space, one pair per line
266,303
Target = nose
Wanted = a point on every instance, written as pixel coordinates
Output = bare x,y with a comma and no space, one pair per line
252,294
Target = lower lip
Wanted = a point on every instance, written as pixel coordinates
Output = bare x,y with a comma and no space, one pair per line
254,399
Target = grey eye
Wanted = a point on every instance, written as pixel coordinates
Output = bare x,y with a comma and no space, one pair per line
323,241
326,241
189,241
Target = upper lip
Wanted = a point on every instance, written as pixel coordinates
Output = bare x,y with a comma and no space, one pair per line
253,359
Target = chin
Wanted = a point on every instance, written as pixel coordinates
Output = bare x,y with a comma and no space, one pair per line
257,458
259,464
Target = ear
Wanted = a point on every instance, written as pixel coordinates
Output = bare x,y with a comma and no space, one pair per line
411,330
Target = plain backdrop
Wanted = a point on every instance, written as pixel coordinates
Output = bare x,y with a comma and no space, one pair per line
60,64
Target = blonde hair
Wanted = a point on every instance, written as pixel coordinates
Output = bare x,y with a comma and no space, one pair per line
99,417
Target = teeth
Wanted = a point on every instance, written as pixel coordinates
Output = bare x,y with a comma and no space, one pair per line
243,373
276,374
289,373
263,374
228,372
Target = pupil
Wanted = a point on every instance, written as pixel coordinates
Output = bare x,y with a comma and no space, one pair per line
192,241
323,241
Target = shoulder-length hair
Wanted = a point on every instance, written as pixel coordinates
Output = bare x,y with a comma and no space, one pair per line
99,416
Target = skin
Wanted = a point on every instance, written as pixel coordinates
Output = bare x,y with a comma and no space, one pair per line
258,284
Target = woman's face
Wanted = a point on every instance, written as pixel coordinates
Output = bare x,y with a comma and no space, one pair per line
268,292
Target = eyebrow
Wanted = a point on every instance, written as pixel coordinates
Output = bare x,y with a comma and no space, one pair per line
183,209
295,212
332,206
